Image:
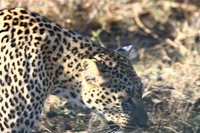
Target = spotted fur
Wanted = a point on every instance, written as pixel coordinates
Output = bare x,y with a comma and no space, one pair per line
39,58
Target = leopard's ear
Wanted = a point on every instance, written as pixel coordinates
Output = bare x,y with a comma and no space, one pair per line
128,51
91,72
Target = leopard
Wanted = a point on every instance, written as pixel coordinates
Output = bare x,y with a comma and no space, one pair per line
39,58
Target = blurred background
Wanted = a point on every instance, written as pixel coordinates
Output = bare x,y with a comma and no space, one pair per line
166,37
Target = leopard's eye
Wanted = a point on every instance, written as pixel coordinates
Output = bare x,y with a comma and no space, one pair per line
126,99
129,100
128,106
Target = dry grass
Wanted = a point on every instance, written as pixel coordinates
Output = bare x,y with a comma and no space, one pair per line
167,37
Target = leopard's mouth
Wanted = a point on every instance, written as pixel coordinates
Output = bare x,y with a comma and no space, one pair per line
123,129
128,128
